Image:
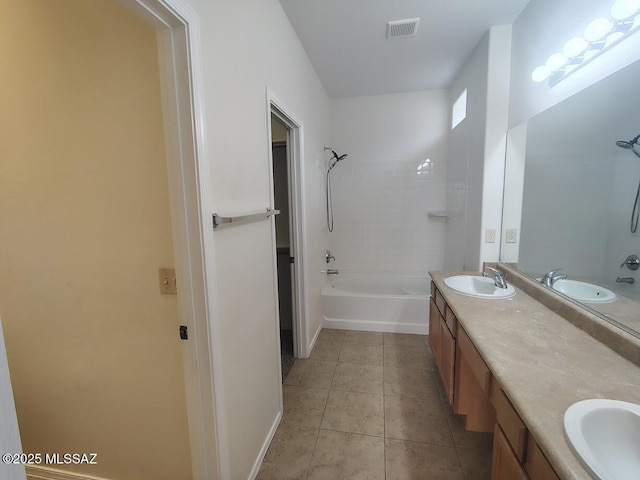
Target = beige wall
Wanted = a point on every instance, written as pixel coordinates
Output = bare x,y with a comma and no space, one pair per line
93,348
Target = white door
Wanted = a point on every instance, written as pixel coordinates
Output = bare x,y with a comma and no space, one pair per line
10,444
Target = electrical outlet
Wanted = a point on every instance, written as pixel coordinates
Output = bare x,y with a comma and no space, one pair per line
511,235
490,235
167,277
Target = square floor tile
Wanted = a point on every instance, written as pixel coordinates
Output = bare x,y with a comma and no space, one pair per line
356,377
406,356
304,405
416,419
289,454
361,353
421,461
354,412
347,456
410,382
372,338
476,463
311,373
404,339
326,350
330,334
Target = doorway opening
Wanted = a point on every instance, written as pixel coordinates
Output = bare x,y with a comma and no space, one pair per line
284,255
286,174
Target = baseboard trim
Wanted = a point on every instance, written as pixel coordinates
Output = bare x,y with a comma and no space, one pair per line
369,326
265,446
315,338
37,472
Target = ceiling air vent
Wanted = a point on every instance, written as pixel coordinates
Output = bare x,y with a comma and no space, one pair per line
402,28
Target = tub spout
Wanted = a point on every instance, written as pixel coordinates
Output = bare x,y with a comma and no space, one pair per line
332,272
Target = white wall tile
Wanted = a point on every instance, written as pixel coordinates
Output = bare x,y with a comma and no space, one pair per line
394,175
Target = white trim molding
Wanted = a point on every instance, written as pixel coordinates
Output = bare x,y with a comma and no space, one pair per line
180,54
38,472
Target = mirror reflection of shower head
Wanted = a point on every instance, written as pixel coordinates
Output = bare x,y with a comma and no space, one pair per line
630,145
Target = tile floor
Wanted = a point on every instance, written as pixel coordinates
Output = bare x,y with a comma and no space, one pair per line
369,406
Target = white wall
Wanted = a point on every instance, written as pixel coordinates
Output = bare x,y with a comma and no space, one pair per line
475,174
247,46
394,175
542,29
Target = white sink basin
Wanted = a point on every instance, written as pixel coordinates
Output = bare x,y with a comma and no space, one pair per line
584,292
476,286
606,436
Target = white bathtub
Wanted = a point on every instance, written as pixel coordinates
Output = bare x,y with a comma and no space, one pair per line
378,303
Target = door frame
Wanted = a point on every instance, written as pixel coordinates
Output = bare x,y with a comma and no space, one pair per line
180,53
297,220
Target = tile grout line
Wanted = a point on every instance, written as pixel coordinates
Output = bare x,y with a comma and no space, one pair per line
315,445
384,417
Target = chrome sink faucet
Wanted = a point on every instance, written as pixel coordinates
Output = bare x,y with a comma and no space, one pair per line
499,278
548,279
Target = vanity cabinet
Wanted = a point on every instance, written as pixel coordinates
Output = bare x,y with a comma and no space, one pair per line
515,451
442,341
472,386
474,392
460,366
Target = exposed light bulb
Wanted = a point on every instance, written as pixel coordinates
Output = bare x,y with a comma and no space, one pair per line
540,74
623,9
556,61
598,29
599,35
575,47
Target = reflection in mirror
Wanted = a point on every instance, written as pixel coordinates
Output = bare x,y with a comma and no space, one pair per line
571,185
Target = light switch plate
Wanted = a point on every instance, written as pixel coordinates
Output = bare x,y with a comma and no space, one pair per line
167,278
511,235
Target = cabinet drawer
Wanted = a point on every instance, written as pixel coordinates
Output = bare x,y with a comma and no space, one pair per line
451,320
433,289
537,465
509,420
440,303
477,365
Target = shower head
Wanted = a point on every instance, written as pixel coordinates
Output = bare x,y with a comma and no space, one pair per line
335,157
630,145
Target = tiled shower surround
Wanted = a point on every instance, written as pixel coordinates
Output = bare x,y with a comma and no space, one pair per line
394,176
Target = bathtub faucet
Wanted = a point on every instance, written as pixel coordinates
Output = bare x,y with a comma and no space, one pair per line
332,272
328,257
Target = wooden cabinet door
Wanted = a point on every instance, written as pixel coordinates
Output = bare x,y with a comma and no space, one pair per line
537,465
434,330
505,465
447,360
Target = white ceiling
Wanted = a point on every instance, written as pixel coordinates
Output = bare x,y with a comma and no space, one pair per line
346,41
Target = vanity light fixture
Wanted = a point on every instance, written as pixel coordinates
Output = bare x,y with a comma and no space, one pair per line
599,35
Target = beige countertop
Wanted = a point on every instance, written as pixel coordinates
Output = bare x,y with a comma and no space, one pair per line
543,363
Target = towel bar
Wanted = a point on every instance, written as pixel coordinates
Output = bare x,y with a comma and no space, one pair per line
249,217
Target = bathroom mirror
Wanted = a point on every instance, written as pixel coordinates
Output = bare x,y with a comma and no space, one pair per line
570,193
